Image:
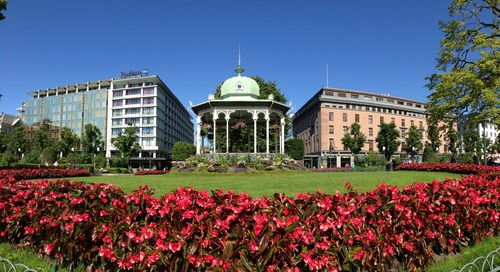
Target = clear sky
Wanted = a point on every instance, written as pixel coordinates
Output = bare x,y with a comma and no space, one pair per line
384,46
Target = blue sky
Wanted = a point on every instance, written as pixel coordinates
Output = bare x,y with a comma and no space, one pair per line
385,46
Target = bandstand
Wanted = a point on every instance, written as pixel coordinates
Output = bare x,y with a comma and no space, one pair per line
240,106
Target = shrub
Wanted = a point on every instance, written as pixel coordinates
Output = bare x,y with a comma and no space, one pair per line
295,148
182,150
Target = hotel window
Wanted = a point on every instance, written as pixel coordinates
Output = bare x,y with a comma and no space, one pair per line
117,122
331,144
412,122
330,116
147,130
148,141
330,129
403,123
132,101
117,93
149,90
148,100
133,111
149,110
344,129
381,119
133,121
356,118
134,92
403,134
344,117
148,121
117,102
370,145
117,112
393,120
370,131
116,131
420,125
149,83
370,119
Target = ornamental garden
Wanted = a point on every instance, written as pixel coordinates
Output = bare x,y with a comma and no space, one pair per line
103,228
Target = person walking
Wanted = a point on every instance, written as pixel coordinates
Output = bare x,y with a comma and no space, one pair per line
496,158
475,158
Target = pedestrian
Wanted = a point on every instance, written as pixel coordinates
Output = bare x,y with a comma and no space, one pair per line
496,158
475,158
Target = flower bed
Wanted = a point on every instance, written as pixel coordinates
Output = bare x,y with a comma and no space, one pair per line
151,172
194,230
459,168
35,173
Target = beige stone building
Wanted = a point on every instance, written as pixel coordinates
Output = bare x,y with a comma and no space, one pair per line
325,118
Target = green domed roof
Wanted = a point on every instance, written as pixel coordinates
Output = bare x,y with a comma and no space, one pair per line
240,87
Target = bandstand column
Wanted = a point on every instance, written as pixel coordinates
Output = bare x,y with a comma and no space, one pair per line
255,117
267,132
198,132
215,115
227,131
282,136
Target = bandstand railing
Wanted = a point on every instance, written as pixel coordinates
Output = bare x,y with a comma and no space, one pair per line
488,263
8,266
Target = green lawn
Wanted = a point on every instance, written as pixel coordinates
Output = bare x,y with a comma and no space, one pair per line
269,183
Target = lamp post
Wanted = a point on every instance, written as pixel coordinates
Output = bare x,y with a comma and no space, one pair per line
20,154
484,141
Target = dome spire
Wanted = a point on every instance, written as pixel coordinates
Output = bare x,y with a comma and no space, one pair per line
239,69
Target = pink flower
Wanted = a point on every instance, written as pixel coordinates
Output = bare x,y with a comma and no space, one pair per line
48,248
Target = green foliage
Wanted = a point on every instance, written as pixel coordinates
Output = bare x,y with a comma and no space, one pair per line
68,140
182,150
355,140
99,161
372,159
126,142
4,140
434,135
92,140
469,63
414,141
451,137
18,141
387,139
34,156
118,162
6,159
429,154
295,148
3,6
49,154
41,140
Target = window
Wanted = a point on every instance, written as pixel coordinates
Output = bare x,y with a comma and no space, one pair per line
355,96
370,119
330,129
133,111
370,145
148,120
149,90
117,93
381,119
420,125
133,121
344,129
148,100
117,102
148,110
116,131
403,133
133,101
370,131
393,120
331,144
117,113
147,130
134,92
117,122
344,117
330,116
356,118
403,123
412,122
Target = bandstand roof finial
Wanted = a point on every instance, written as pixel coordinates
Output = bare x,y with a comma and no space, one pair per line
239,69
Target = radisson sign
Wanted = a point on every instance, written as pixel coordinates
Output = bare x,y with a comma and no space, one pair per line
140,73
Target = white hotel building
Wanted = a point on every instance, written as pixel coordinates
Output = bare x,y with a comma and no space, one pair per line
144,101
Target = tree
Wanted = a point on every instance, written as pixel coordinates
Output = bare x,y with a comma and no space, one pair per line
295,148
3,6
92,139
41,139
18,142
387,139
126,142
434,136
4,140
469,63
451,137
355,142
182,150
413,142
68,140
471,140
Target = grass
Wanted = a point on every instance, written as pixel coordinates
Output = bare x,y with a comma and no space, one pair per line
266,184
269,183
